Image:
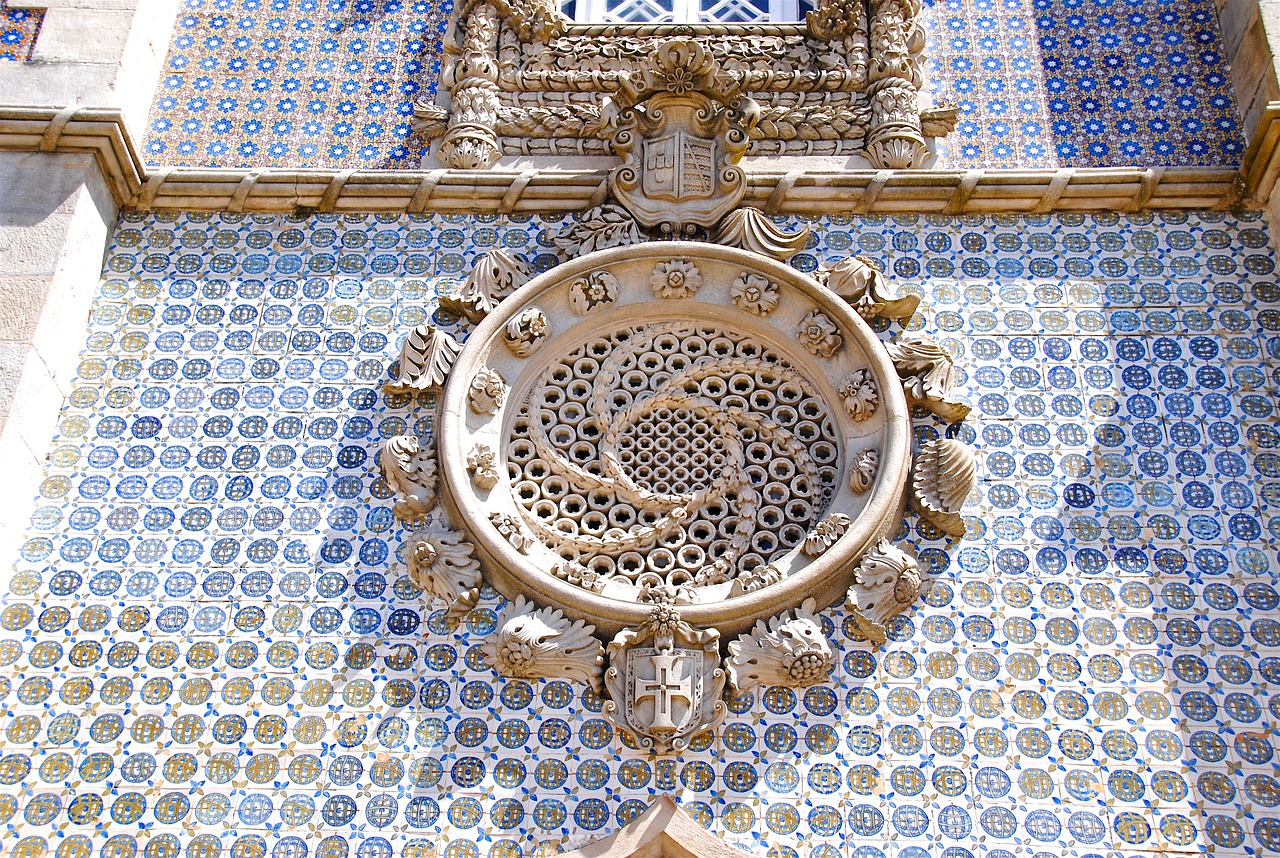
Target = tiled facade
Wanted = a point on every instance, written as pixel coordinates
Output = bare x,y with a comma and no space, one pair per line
18,31
210,648
292,83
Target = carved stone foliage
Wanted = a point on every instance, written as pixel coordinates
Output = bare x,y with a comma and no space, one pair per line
789,649
526,332
680,131
945,473
410,470
482,462
927,373
541,643
426,357
665,681
493,278
597,289
866,464
886,582
487,391
442,563
521,80
860,282
598,229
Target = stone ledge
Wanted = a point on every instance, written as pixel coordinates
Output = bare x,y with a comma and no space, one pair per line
101,131
1261,165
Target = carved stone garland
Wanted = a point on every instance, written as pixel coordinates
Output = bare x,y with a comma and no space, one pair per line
520,79
666,444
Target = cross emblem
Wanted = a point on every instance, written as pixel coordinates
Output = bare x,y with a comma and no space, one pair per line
669,683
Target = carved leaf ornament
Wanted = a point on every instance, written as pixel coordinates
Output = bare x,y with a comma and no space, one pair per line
657,446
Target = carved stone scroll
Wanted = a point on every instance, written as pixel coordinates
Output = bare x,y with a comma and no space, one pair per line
789,649
541,643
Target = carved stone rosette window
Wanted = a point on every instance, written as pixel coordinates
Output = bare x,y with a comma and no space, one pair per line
521,79
688,422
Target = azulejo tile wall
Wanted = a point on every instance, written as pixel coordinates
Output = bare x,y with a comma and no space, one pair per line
281,83
287,83
1078,83
210,648
18,31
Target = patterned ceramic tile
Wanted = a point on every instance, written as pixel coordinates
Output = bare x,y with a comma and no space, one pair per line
209,645
19,29
1084,83
278,83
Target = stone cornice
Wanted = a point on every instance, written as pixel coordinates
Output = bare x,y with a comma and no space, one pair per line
101,132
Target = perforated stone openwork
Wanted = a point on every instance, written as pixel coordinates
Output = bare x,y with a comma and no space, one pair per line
674,434
672,453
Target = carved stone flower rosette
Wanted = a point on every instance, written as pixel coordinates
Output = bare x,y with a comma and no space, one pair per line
603,553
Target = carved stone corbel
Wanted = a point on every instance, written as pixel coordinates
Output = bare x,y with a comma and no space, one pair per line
494,276
426,357
944,473
861,283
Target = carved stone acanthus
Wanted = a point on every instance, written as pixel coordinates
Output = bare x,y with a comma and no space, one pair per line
526,332
819,334
860,395
442,564
487,391
789,649
857,280
927,374
426,357
597,289
665,681
482,462
410,470
541,643
945,473
680,129
750,229
495,276
598,229
866,464
886,582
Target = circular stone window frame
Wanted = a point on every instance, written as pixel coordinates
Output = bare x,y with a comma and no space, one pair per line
825,578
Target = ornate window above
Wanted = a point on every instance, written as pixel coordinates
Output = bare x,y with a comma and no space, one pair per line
521,80
686,11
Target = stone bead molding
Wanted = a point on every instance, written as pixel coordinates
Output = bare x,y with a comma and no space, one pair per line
101,132
520,79
656,446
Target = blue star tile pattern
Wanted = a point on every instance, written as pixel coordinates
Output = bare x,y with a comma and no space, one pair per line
210,644
281,83
1077,83
19,29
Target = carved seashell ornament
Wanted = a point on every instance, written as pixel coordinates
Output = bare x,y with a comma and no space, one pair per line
945,473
